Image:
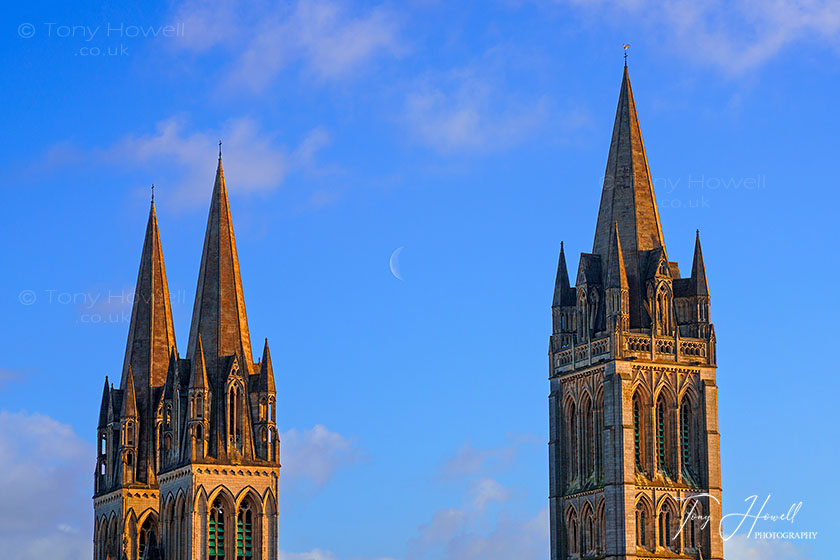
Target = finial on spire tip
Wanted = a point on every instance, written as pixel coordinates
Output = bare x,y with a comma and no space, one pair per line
220,149
626,46
153,193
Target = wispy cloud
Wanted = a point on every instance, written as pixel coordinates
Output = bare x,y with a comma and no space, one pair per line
488,524
45,480
463,110
740,547
316,554
735,35
9,375
256,159
470,460
311,458
330,40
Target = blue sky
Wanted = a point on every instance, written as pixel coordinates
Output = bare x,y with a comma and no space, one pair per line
475,136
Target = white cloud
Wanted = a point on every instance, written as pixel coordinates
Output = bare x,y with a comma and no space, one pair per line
475,530
329,40
8,375
310,459
736,35
255,159
740,547
470,460
465,110
316,554
462,534
46,479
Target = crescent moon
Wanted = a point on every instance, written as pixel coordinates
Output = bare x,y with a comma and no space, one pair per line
394,263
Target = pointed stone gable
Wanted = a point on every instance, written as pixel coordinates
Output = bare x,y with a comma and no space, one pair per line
219,311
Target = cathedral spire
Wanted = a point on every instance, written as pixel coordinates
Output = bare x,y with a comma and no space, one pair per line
561,283
627,196
219,311
151,336
698,270
628,202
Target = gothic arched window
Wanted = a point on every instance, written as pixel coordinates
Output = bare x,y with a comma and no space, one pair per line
686,418
599,434
641,525
216,532
573,533
244,532
573,442
235,409
665,528
145,538
587,453
660,435
637,432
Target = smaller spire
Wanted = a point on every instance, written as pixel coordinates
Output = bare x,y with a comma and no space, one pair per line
103,408
561,283
616,273
266,380
198,373
171,376
698,270
129,403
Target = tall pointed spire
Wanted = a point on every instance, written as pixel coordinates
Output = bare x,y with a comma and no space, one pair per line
698,270
628,202
219,311
266,380
561,283
151,336
627,196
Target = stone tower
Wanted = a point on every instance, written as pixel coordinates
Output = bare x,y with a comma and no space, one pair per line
187,460
634,453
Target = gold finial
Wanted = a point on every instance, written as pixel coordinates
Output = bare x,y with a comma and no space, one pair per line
626,46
